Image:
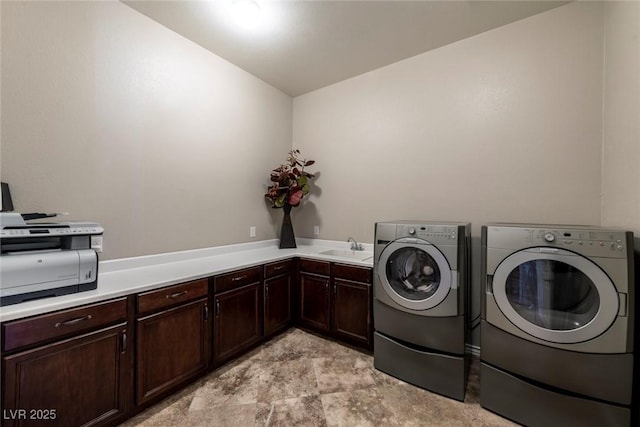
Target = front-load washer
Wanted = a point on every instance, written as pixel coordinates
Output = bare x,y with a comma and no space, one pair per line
421,279
557,324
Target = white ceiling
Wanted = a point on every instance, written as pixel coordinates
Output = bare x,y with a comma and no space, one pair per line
305,45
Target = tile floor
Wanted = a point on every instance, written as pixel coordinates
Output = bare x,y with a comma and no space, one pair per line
300,379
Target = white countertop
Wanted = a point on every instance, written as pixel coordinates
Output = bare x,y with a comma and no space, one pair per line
132,275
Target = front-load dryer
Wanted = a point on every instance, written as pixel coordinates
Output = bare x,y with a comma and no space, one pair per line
557,324
421,279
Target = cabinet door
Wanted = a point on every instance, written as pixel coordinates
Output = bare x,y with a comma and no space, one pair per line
173,346
351,311
277,304
86,380
314,302
237,322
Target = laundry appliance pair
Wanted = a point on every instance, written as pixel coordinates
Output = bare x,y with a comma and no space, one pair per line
421,299
557,317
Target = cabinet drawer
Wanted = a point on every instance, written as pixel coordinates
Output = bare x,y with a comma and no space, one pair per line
350,272
171,295
315,267
278,268
236,279
24,332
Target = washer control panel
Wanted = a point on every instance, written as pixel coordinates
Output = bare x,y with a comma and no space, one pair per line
428,232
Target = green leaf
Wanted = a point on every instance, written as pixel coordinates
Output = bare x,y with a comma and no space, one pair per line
280,200
302,180
305,189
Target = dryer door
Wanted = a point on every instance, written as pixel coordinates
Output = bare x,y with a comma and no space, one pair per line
414,273
555,295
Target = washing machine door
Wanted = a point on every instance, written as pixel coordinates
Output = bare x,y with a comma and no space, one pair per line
555,295
414,273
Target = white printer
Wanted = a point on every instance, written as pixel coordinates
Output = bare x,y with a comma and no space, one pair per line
39,260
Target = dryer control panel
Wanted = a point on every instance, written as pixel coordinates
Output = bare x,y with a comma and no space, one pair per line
585,241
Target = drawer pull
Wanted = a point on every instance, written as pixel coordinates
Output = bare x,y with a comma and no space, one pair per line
266,291
206,312
217,308
73,321
235,279
177,294
280,267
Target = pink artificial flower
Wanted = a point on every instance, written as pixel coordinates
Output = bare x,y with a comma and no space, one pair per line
294,199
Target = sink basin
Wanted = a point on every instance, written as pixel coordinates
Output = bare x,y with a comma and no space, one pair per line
342,253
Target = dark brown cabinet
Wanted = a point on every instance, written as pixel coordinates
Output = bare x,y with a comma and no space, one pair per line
336,299
350,309
84,379
314,303
277,296
238,313
172,346
351,303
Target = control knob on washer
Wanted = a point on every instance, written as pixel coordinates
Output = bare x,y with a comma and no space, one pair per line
412,231
549,237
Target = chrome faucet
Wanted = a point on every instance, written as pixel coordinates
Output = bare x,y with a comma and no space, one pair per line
355,246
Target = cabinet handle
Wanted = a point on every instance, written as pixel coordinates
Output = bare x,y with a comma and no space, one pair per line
73,321
123,341
326,285
280,267
266,291
235,279
335,289
206,312
177,294
217,308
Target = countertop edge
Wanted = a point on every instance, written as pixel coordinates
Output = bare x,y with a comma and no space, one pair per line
143,274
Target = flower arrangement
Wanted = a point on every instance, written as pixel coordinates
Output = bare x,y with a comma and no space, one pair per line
290,182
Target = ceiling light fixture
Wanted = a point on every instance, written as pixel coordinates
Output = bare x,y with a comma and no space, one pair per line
246,13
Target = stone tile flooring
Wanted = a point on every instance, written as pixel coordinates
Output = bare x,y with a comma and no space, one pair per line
300,379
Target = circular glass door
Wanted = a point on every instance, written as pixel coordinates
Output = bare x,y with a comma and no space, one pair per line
560,297
414,275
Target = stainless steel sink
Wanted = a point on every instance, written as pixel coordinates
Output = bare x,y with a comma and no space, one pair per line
343,253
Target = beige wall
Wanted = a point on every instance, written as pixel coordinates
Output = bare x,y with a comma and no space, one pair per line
503,126
116,119
621,153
